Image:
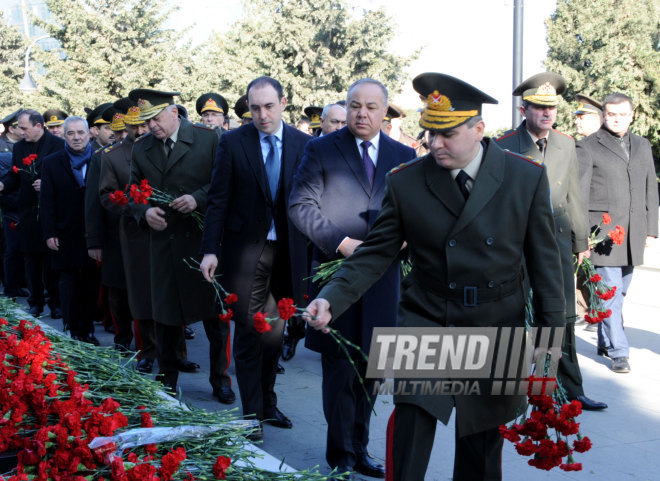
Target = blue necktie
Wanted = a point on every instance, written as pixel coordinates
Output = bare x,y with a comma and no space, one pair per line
369,166
273,166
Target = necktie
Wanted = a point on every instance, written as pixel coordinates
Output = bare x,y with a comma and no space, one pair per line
273,166
369,166
624,147
461,180
169,146
541,144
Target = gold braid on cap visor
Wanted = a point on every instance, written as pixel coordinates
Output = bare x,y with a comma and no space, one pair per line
148,111
132,117
117,124
543,95
439,114
211,105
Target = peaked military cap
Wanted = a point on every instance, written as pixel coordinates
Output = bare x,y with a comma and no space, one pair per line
151,102
314,114
450,102
587,105
542,89
53,117
241,108
213,102
95,116
12,118
130,110
394,112
115,117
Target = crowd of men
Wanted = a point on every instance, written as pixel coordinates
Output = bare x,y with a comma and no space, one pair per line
490,217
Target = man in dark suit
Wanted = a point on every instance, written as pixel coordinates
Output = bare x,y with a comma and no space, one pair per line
448,207
261,256
62,216
336,196
176,158
41,143
536,138
617,177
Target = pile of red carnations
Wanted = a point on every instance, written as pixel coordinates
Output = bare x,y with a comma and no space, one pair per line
73,412
544,433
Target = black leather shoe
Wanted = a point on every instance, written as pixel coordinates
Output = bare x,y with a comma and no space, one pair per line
184,365
145,365
36,310
602,351
278,419
365,465
280,369
590,404
55,313
340,470
289,348
189,333
620,365
88,338
257,434
225,395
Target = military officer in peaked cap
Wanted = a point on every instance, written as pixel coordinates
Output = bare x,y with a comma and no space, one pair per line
588,115
535,137
242,111
313,113
177,157
466,182
212,108
11,135
54,119
99,129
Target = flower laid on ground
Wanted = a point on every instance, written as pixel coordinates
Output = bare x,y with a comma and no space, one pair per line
144,193
598,290
544,433
78,413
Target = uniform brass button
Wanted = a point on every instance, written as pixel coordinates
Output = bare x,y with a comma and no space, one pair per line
452,285
452,243
491,284
490,241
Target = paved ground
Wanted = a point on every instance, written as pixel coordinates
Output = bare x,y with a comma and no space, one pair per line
626,436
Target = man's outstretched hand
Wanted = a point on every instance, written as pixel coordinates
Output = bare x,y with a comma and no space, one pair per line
319,314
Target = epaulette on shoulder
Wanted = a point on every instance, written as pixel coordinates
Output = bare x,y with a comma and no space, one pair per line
527,158
203,126
562,133
110,147
506,134
142,137
405,165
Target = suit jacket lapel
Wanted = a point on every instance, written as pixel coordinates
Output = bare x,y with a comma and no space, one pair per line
153,150
183,143
443,186
289,158
346,145
610,143
488,181
252,149
527,145
386,162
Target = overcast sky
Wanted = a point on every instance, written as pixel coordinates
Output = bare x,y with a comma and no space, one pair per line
469,39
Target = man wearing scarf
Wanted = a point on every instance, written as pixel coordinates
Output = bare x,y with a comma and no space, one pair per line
63,225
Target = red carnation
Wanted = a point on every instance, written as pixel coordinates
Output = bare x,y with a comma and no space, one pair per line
119,197
231,298
571,467
13,225
595,278
607,219
220,467
617,235
260,323
527,448
583,445
15,169
226,317
286,308
510,434
28,160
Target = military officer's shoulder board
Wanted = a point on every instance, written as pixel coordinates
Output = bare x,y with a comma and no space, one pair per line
404,166
142,137
527,158
506,134
204,127
562,133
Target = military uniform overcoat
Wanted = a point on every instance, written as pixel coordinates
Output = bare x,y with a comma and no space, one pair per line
625,189
570,222
455,244
28,199
133,237
178,293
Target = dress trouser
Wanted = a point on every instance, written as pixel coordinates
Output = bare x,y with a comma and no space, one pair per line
255,353
121,316
611,335
346,407
78,296
13,263
39,274
410,434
